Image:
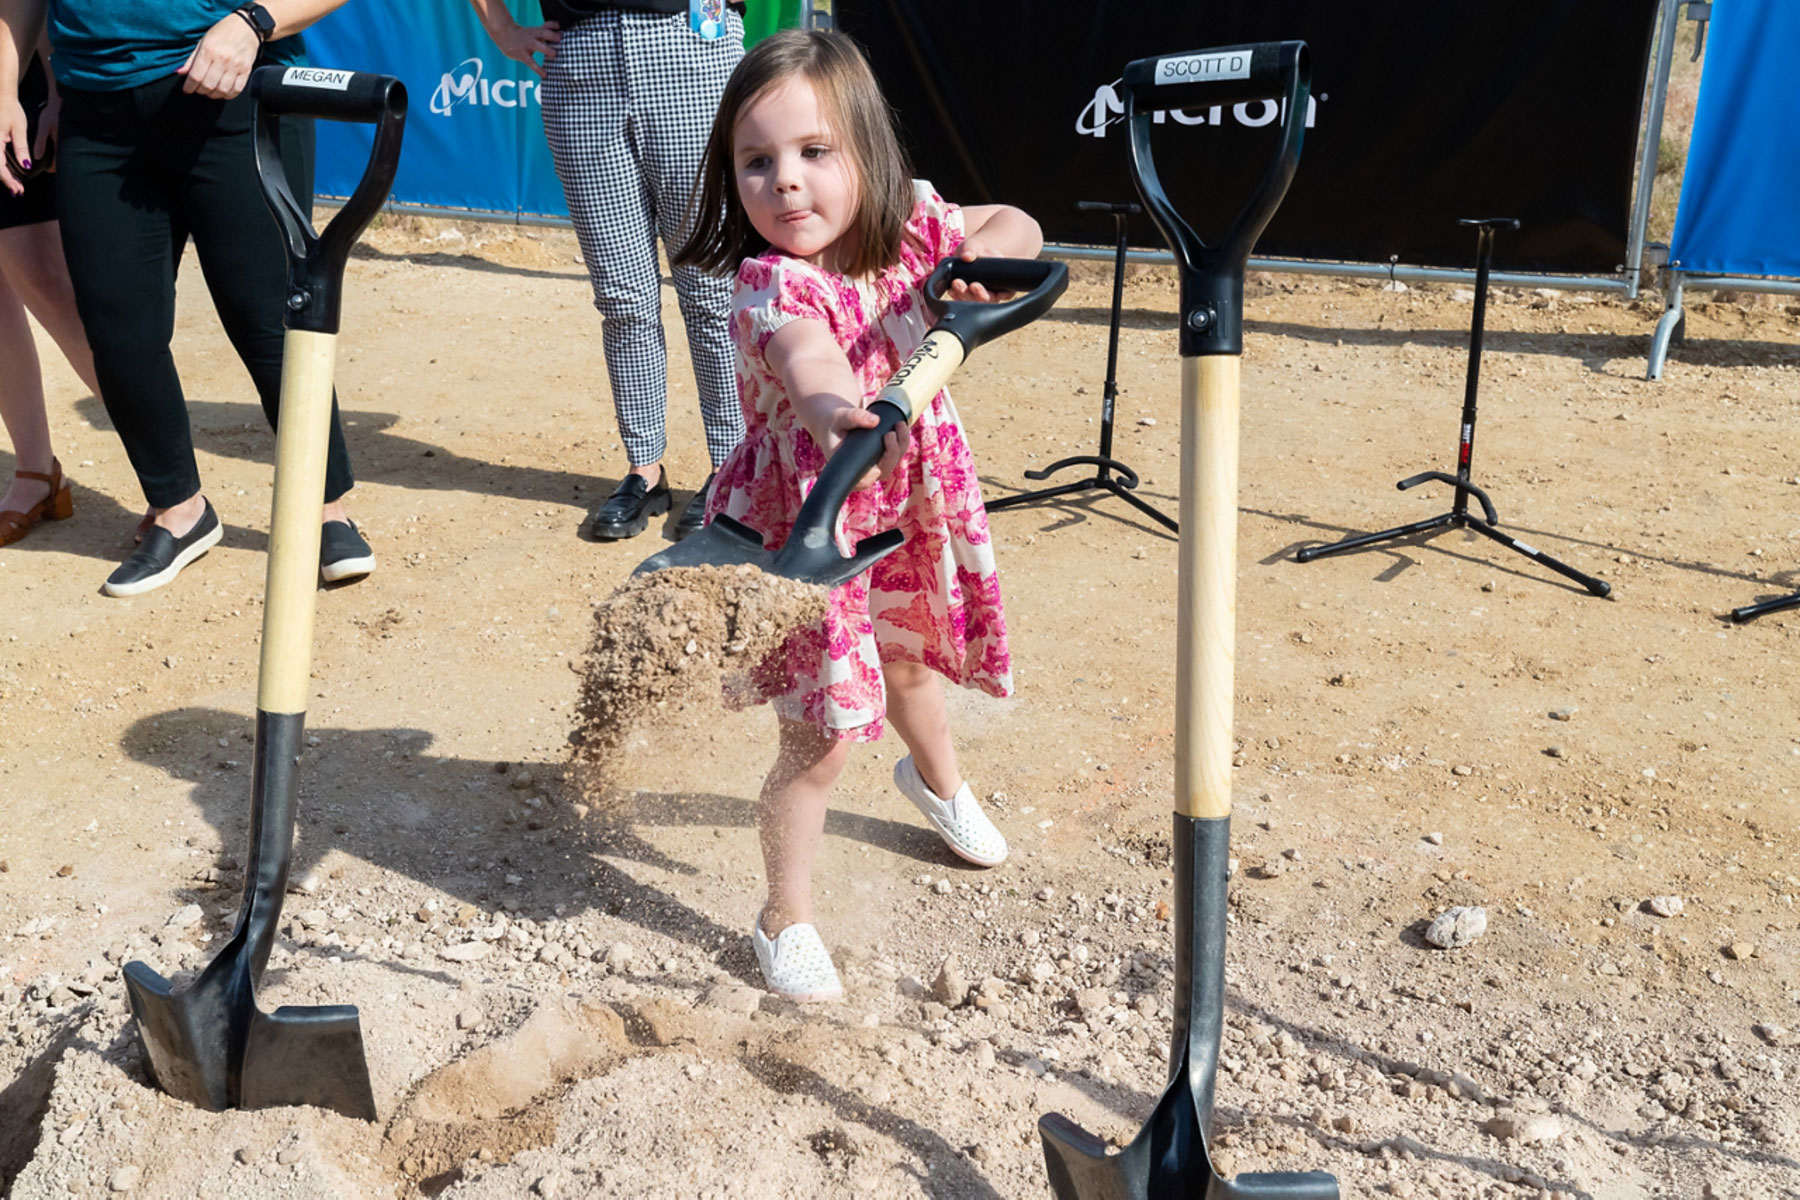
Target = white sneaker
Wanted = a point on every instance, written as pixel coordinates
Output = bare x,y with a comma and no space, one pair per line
958,820
796,965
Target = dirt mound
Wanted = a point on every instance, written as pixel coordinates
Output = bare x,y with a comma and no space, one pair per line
670,640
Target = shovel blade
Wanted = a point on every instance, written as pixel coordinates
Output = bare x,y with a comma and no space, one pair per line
311,1055
186,1036
1168,1160
723,543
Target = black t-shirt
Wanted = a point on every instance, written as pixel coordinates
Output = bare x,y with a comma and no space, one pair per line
567,12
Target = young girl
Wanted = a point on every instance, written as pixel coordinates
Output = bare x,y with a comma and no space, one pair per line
804,178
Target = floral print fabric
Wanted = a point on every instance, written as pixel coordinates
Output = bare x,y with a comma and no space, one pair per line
934,601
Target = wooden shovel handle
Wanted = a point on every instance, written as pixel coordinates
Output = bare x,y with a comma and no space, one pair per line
1206,621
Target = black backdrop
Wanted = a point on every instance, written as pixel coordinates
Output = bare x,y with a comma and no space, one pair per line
1425,111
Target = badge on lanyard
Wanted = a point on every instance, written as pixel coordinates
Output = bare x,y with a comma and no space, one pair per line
707,18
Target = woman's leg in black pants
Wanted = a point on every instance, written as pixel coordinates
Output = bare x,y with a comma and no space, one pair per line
123,241
241,254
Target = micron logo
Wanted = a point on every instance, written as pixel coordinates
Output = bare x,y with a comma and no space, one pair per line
1107,109
465,84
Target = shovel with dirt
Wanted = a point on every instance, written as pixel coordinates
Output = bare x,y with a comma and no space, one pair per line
1170,1157
810,554
209,1043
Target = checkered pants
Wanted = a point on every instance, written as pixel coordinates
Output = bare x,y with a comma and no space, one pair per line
628,104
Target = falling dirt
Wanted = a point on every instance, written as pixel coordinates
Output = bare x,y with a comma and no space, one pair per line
671,642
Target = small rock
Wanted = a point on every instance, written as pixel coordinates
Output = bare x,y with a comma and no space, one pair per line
1089,1001
66,870
466,951
1741,951
1775,1035
289,1154
984,1055
187,916
548,1186
942,887
1457,927
951,987
1435,838
1564,714
1462,769
1666,906
1046,893
732,998
619,955
124,1179
1556,752
1541,1130
468,1018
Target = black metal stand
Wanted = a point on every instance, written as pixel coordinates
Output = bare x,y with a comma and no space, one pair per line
1752,611
1104,463
1459,516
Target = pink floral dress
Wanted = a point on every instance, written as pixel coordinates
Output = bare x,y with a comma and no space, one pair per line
934,601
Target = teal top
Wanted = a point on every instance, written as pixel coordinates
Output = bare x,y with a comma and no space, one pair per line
111,45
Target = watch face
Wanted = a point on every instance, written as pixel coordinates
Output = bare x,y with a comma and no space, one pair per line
261,18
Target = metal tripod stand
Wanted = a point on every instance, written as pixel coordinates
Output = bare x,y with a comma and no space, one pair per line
1487,525
1104,463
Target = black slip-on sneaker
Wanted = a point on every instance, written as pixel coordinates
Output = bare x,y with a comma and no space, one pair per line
693,517
627,512
161,556
343,553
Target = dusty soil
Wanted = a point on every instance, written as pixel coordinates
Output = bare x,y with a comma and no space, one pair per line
564,999
667,645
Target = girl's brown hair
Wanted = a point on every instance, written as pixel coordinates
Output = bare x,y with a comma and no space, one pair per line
858,115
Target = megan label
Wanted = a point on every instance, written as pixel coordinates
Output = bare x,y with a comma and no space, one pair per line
318,77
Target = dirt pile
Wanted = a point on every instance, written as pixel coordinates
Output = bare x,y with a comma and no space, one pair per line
669,641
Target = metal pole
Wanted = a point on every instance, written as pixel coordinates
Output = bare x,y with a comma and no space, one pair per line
1646,180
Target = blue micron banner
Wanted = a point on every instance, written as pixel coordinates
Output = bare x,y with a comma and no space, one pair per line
1740,195
474,130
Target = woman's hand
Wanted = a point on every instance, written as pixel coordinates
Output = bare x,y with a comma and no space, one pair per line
220,65
523,43
894,443
13,137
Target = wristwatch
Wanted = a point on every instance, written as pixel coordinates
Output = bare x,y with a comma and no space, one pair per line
260,19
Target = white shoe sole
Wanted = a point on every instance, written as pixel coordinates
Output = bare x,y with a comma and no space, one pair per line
151,582
347,568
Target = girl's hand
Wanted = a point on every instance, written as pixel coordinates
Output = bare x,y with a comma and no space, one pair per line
894,443
973,248
523,43
220,65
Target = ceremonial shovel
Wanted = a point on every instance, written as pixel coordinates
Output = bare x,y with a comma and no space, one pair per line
210,1044
1169,1157
810,553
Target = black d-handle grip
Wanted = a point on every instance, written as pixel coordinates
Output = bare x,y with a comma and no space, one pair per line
316,261
974,322
1212,276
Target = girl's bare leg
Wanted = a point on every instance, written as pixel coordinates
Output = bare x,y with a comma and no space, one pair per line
792,820
915,707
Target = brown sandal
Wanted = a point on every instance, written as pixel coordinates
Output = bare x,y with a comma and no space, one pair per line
57,506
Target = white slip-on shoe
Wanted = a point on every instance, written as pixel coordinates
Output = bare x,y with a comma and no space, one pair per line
958,820
796,965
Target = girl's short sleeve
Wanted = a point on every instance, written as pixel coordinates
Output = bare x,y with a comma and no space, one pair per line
936,223
771,291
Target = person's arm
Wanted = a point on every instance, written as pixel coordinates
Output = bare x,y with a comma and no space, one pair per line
220,65
995,231
520,42
21,25
824,392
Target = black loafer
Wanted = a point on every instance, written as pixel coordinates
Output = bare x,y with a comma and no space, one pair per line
693,517
627,512
343,553
162,555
